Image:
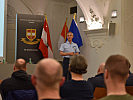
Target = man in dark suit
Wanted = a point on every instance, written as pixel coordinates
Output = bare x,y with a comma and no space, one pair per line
129,81
19,85
98,80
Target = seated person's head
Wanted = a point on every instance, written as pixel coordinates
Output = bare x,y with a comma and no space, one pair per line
78,65
20,64
48,73
101,68
116,69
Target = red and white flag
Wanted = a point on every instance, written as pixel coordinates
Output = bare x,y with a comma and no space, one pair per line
45,45
63,36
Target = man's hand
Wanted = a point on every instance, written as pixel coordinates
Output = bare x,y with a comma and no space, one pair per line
71,53
68,53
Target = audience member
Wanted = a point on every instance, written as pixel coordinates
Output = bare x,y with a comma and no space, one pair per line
77,88
19,86
101,68
129,81
46,78
115,76
98,80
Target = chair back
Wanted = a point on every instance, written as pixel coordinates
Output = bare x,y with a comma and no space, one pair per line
0,81
129,90
99,92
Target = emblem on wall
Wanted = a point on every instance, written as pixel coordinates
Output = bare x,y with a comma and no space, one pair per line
30,37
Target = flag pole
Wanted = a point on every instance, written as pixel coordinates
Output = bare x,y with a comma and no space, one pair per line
66,23
45,16
65,30
74,16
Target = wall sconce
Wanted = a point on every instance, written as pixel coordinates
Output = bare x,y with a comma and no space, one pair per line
114,14
112,27
81,19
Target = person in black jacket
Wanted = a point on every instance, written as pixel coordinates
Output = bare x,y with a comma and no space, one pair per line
129,81
98,80
19,85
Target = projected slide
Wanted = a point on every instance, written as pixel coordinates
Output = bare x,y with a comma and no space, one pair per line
1,26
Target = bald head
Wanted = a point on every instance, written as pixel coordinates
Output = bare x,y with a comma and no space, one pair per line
48,72
101,68
20,64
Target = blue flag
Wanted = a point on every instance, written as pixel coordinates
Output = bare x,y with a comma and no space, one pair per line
76,35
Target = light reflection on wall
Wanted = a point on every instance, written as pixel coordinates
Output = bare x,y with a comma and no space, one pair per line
91,25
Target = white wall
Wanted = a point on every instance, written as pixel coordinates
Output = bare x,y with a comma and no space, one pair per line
111,44
127,29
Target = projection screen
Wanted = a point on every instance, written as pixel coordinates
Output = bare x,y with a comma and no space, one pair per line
2,29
